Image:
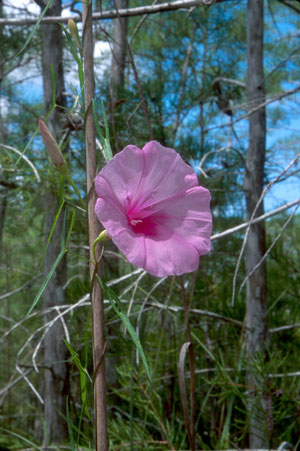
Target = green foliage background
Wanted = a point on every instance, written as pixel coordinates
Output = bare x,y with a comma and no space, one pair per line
143,415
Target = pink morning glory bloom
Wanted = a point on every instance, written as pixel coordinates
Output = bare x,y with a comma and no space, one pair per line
151,205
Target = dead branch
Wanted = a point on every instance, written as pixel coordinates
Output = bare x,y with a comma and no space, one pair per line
260,218
113,14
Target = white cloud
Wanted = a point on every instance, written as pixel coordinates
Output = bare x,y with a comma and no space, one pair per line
27,8
4,105
101,49
23,9
31,84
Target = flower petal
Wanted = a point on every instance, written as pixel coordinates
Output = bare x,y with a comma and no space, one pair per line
162,164
172,256
132,246
122,174
112,218
187,216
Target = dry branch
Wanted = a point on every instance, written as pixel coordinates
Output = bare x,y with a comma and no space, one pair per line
113,14
254,221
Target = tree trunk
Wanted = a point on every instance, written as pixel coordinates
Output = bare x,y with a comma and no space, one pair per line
256,297
3,190
56,383
3,205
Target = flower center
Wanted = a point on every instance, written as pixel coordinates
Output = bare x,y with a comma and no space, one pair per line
134,222
145,226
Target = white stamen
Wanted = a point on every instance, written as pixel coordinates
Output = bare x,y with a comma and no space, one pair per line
134,222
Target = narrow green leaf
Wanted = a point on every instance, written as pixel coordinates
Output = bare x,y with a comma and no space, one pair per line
71,44
83,376
37,131
70,180
107,147
98,129
105,120
53,81
34,28
63,233
46,281
200,343
81,81
70,227
70,428
75,358
29,442
61,192
53,227
118,308
107,153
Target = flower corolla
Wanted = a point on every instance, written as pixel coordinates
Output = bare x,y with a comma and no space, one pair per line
151,205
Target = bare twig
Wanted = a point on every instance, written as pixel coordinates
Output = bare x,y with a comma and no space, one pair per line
275,330
21,155
254,221
257,107
230,81
11,384
17,290
269,249
266,189
112,14
143,102
173,308
182,85
140,23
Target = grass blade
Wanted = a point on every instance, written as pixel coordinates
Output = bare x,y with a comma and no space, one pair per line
118,308
46,281
34,28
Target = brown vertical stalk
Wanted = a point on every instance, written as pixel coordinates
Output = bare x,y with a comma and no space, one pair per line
94,230
191,429
260,422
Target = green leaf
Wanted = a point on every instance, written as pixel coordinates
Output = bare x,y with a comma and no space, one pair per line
46,281
83,376
34,28
107,148
70,428
53,227
107,153
64,249
71,44
29,442
53,81
75,358
118,308
70,228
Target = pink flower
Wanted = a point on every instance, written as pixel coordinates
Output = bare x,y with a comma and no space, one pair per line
151,205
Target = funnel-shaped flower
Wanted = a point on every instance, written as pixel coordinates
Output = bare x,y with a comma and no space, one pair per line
151,205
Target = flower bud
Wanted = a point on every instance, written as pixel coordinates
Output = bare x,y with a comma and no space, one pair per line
72,26
53,150
73,29
103,236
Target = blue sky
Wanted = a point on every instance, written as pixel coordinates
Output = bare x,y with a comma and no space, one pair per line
279,141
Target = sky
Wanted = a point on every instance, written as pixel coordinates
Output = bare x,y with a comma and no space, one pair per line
276,138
